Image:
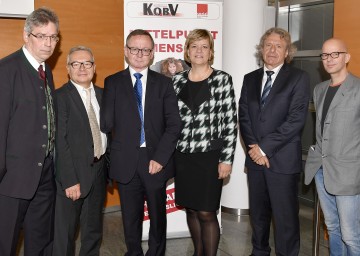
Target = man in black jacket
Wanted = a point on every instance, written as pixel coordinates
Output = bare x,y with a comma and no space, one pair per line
80,149
27,138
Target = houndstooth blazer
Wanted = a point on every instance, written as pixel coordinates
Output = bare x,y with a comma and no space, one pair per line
213,125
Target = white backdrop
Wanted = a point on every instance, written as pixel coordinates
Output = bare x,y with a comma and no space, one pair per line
16,8
244,23
169,23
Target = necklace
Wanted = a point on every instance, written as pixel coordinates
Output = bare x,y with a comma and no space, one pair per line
193,76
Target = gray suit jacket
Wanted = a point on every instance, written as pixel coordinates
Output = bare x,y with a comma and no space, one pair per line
337,150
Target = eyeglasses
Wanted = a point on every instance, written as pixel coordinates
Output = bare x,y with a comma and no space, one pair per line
41,37
334,55
85,64
134,51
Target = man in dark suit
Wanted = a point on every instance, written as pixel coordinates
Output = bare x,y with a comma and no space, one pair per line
80,149
27,136
140,108
272,112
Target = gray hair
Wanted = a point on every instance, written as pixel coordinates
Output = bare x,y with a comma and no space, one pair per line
41,17
290,47
79,48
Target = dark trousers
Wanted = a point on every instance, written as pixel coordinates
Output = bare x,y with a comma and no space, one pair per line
132,195
34,216
86,210
274,195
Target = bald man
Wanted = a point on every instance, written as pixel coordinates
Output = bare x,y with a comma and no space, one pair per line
334,161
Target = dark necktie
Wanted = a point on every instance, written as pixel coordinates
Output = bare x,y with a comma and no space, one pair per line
42,73
267,88
138,95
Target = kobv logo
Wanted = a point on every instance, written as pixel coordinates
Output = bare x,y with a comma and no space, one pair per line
169,10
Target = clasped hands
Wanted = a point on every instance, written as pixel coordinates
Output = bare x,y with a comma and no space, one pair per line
257,157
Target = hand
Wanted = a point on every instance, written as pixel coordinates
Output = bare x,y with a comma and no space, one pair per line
224,170
263,161
254,152
73,192
154,167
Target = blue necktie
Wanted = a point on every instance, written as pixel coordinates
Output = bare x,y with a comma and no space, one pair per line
267,88
138,95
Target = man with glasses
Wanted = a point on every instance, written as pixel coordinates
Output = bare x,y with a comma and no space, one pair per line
334,161
80,161
140,108
27,137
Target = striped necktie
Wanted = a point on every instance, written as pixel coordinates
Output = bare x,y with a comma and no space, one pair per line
267,88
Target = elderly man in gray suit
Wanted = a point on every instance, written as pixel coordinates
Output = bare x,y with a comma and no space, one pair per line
334,161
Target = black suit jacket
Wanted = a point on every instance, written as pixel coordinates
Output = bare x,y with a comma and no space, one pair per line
74,143
277,126
23,125
119,115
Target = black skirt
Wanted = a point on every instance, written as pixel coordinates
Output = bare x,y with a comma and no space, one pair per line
196,182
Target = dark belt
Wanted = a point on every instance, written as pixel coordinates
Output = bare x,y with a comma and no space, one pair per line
98,159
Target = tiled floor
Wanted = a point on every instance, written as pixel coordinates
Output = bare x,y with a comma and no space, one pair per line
235,239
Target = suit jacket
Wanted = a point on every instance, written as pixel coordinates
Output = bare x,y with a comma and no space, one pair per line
277,126
74,142
337,150
23,125
119,115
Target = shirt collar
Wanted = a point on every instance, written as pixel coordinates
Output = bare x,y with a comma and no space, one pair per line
276,70
31,59
81,88
143,72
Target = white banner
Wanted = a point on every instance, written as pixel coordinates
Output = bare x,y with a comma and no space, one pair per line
16,8
169,23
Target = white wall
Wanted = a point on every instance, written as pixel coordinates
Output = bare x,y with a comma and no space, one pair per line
244,23
16,8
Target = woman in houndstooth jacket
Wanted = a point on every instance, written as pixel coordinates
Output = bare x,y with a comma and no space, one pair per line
205,150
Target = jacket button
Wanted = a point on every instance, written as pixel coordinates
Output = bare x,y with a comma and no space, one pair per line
39,164
43,108
43,146
44,126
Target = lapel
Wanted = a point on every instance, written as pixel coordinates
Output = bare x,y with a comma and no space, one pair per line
279,82
76,98
342,92
258,84
98,94
149,95
321,98
127,91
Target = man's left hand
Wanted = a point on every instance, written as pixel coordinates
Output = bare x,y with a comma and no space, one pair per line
154,167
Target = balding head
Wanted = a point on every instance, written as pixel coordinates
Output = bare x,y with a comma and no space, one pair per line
335,57
335,43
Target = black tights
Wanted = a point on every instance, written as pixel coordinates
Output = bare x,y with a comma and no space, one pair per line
205,231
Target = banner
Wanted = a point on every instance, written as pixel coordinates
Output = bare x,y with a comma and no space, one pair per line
169,23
